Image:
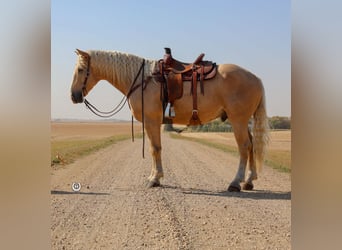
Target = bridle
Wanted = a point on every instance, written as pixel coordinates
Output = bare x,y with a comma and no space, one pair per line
84,90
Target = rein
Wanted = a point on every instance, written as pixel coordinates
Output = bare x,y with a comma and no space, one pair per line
104,114
119,107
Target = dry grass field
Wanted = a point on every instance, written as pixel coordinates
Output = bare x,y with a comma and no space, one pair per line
279,140
90,130
279,148
71,140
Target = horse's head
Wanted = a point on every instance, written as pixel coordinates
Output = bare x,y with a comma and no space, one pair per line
83,79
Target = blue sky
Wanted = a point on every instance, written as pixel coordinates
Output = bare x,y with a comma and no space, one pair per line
253,34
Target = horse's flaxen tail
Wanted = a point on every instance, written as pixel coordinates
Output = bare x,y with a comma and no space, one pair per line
260,133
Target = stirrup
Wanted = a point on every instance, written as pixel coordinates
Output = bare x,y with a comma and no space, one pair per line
172,112
169,111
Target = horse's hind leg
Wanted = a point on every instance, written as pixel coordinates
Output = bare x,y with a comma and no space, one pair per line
153,133
253,172
244,145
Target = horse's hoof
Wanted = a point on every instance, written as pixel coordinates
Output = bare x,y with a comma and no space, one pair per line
248,186
151,184
234,188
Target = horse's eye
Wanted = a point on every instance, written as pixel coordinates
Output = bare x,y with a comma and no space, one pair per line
80,70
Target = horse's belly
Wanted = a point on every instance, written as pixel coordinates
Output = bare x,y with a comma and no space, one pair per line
208,108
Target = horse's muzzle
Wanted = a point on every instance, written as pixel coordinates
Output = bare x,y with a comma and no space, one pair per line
77,97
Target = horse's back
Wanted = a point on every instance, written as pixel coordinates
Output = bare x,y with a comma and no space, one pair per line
237,74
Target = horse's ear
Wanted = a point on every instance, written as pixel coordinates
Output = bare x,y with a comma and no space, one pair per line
82,53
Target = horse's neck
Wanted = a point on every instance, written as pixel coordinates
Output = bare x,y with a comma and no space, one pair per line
118,69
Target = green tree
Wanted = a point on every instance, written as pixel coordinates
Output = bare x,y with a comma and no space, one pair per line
280,122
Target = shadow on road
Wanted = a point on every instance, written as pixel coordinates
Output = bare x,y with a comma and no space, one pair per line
71,192
255,194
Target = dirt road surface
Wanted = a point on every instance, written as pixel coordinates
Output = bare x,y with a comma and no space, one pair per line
192,210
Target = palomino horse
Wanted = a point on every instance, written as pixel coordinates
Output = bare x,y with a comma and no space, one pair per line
233,92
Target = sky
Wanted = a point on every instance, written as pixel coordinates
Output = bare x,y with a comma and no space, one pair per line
255,35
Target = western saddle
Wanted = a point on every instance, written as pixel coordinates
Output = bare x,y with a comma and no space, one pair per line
172,73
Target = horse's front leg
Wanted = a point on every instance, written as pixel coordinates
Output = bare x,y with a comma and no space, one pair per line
153,133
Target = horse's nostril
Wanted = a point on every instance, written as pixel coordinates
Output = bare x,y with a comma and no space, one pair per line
73,98
77,97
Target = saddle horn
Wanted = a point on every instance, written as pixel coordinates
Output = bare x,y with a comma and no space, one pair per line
167,51
168,57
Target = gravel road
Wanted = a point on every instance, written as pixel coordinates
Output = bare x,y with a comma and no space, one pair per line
192,210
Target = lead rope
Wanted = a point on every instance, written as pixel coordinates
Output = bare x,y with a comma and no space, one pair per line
132,130
142,112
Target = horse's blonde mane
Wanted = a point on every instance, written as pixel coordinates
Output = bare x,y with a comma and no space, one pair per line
119,67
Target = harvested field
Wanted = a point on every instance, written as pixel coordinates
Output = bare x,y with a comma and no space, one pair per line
72,140
278,152
90,130
279,140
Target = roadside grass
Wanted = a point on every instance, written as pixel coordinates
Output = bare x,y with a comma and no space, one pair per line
277,159
64,152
